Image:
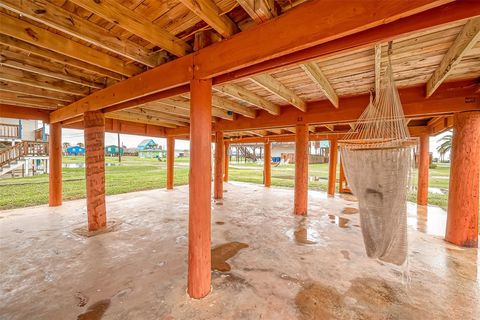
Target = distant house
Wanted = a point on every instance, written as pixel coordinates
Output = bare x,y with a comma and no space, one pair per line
75,151
112,150
24,147
147,144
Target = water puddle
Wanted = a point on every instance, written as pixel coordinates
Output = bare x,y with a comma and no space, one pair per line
95,311
346,254
348,197
302,234
429,220
222,253
339,221
367,298
349,210
220,223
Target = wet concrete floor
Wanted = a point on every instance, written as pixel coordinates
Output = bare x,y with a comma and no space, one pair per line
268,264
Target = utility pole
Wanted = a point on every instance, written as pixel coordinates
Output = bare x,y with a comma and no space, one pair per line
119,148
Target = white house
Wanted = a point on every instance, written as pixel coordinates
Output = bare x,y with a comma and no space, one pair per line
23,147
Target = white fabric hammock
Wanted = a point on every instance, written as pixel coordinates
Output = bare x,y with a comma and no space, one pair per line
377,158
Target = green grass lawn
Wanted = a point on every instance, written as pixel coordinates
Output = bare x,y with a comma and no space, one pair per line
135,174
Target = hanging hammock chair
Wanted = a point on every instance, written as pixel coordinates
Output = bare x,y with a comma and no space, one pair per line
377,157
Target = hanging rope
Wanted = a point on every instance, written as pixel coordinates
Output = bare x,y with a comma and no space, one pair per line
377,158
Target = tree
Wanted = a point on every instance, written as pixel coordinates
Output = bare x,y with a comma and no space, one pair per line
80,144
445,146
66,145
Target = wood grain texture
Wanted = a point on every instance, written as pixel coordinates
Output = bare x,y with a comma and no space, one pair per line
301,170
55,165
94,122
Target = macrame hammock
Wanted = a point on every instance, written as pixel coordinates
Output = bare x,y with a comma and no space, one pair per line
377,158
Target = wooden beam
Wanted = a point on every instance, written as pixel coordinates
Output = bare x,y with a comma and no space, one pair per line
209,12
454,97
466,39
166,108
259,10
155,116
447,13
16,112
279,53
133,117
42,82
232,106
31,49
76,26
43,67
262,42
150,110
316,75
26,100
135,23
184,103
35,92
25,31
378,68
240,93
142,84
55,165
274,86
330,127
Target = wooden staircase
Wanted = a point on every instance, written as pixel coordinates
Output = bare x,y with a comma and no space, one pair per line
11,157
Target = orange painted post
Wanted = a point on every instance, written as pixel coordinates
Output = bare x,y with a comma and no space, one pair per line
170,161
301,169
225,168
423,164
219,163
463,195
267,164
199,243
55,165
95,169
332,167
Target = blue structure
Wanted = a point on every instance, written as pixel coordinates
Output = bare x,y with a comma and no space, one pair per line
147,144
75,151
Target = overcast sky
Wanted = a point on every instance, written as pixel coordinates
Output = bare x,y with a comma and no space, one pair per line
74,136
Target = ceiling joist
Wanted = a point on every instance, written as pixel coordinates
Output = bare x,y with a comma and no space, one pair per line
233,106
242,94
209,12
25,31
259,10
316,75
31,49
73,25
274,86
466,39
135,23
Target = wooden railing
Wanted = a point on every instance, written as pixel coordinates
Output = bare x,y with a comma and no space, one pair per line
9,131
23,149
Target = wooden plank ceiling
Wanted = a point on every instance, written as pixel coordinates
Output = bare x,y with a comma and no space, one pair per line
54,52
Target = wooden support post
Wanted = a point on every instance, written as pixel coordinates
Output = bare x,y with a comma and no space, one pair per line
332,167
423,164
463,195
199,254
225,169
301,169
219,163
95,169
170,161
55,169
267,164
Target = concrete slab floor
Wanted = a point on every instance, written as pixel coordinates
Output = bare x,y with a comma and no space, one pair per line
310,267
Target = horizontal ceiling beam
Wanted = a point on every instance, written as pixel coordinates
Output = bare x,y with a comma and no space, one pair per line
209,12
135,23
32,34
247,96
277,88
455,97
315,74
16,112
76,26
466,39
179,72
